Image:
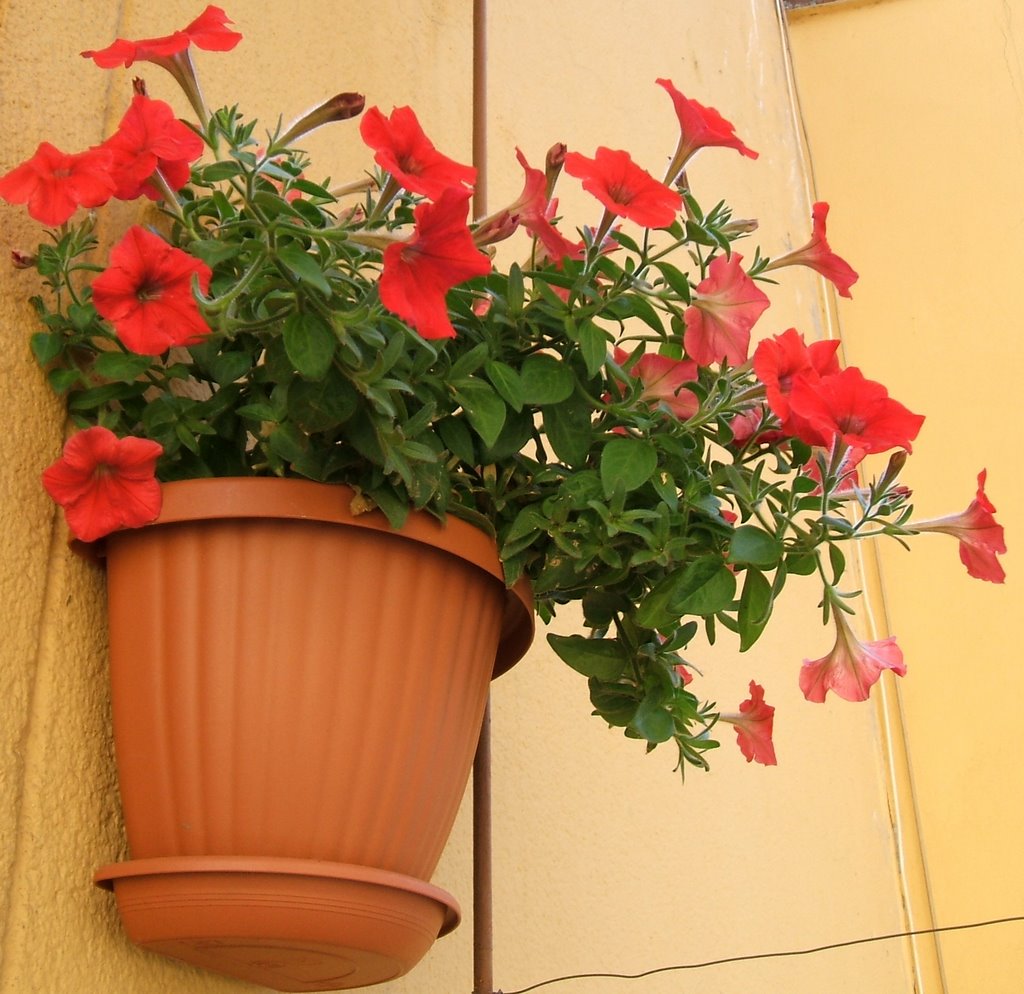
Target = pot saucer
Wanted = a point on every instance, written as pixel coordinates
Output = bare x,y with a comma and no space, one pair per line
288,924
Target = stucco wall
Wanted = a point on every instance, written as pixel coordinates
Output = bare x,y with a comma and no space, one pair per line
602,861
915,118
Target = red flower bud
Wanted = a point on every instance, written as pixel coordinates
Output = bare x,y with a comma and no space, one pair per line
340,107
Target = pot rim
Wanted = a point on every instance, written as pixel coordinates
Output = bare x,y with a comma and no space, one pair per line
288,498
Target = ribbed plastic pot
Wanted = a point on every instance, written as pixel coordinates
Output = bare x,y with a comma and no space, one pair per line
297,694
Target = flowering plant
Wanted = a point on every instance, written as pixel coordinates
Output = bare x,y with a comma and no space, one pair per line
596,405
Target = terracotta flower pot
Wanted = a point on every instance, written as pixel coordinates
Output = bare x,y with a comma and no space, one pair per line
297,694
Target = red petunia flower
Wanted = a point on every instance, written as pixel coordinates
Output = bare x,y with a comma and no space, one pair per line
699,127
533,211
725,307
684,673
624,188
663,379
779,360
54,184
817,255
146,293
208,31
340,107
149,138
554,247
981,536
850,409
529,206
852,668
754,727
402,149
419,271
746,425
104,482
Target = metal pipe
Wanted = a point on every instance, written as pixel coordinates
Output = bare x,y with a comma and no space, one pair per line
483,914
480,106
483,917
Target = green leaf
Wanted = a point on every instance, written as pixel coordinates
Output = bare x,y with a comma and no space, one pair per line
803,564
311,214
800,452
677,281
593,346
310,188
625,241
755,608
89,400
546,380
641,308
682,638
395,509
484,408
614,703
507,382
528,524
663,605
213,253
715,595
186,438
601,606
627,464
516,432
259,411
752,545
567,426
273,205
837,561
304,267
288,442
230,366
470,362
604,659
121,366
515,289
217,171
457,438
697,233
323,404
309,344
652,720
81,316
46,346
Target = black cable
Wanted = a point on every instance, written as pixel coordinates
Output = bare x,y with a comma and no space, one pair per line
773,955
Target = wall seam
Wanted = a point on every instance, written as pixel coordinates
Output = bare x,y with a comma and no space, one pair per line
915,880
924,951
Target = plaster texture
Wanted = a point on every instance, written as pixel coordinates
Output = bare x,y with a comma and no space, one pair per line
602,862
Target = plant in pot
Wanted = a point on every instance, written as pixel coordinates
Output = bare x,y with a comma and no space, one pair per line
270,375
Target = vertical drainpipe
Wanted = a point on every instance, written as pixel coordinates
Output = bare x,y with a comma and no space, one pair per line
483,923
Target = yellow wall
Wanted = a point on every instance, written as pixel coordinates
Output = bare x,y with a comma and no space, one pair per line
913,110
602,861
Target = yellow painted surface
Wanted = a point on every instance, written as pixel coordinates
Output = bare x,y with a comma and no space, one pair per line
602,862
915,115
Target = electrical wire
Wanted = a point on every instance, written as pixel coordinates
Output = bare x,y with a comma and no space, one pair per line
780,954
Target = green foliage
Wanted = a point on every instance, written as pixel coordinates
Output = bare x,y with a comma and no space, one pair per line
524,420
